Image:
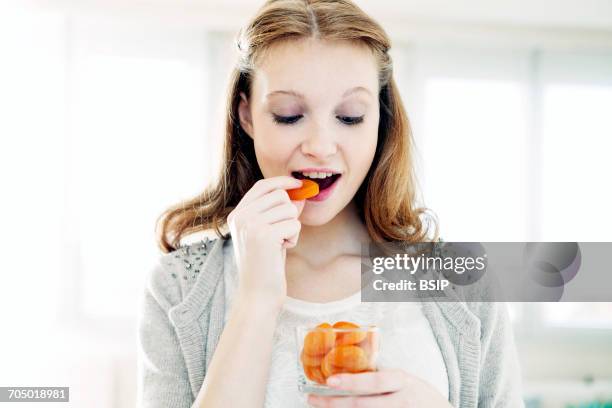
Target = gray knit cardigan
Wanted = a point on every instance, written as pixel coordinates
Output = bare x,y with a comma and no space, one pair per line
182,312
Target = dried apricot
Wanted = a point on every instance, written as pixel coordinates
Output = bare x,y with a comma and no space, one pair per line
309,189
347,338
371,343
319,341
370,346
314,374
312,361
349,358
327,368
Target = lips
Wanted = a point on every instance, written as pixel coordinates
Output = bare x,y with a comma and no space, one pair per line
322,182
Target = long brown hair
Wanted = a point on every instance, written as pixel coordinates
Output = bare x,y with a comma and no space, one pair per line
386,198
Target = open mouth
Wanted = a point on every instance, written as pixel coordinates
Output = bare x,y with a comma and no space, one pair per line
323,180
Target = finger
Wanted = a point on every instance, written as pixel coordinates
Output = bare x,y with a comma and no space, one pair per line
299,205
267,185
268,201
367,401
292,241
373,382
285,230
279,213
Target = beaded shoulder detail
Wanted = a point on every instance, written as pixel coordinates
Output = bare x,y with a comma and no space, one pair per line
185,263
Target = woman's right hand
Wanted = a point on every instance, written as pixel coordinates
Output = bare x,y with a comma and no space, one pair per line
263,225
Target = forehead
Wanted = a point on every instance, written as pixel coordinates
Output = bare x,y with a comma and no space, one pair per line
315,68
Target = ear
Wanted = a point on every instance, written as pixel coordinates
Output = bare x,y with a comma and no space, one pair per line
244,113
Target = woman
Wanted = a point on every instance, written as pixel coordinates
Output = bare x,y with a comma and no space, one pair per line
312,96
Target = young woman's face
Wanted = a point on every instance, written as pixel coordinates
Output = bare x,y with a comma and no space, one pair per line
314,111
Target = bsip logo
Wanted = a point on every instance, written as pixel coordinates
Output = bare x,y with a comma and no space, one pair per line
551,265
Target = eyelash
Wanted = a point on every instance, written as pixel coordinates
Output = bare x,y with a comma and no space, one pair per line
289,120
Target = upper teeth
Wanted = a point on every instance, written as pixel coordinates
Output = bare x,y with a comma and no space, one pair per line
317,174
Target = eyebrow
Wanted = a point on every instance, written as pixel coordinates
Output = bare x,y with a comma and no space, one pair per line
301,96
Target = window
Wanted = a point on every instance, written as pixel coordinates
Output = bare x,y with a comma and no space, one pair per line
576,127
474,139
578,315
512,146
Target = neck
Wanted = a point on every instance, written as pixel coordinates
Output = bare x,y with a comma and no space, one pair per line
343,235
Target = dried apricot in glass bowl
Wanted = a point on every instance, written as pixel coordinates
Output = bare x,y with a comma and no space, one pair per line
325,350
348,337
320,340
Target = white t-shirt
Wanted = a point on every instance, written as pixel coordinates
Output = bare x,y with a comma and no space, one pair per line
406,340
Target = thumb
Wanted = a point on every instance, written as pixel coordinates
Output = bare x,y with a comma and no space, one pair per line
290,243
299,205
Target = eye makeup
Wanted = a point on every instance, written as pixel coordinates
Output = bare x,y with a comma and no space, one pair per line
289,120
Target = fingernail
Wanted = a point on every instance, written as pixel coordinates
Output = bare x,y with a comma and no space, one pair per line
333,381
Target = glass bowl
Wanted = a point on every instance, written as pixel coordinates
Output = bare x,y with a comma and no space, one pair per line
326,349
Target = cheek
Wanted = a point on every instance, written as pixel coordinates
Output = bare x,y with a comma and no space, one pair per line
361,155
272,152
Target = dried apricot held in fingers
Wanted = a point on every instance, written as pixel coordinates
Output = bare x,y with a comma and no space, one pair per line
309,189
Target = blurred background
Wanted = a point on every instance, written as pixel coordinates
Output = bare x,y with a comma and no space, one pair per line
110,111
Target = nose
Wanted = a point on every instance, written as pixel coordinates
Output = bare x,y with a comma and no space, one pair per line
319,145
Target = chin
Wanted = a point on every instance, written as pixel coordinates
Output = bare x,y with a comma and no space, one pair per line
316,218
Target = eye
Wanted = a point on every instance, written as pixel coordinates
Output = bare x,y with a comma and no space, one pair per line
350,120
286,120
